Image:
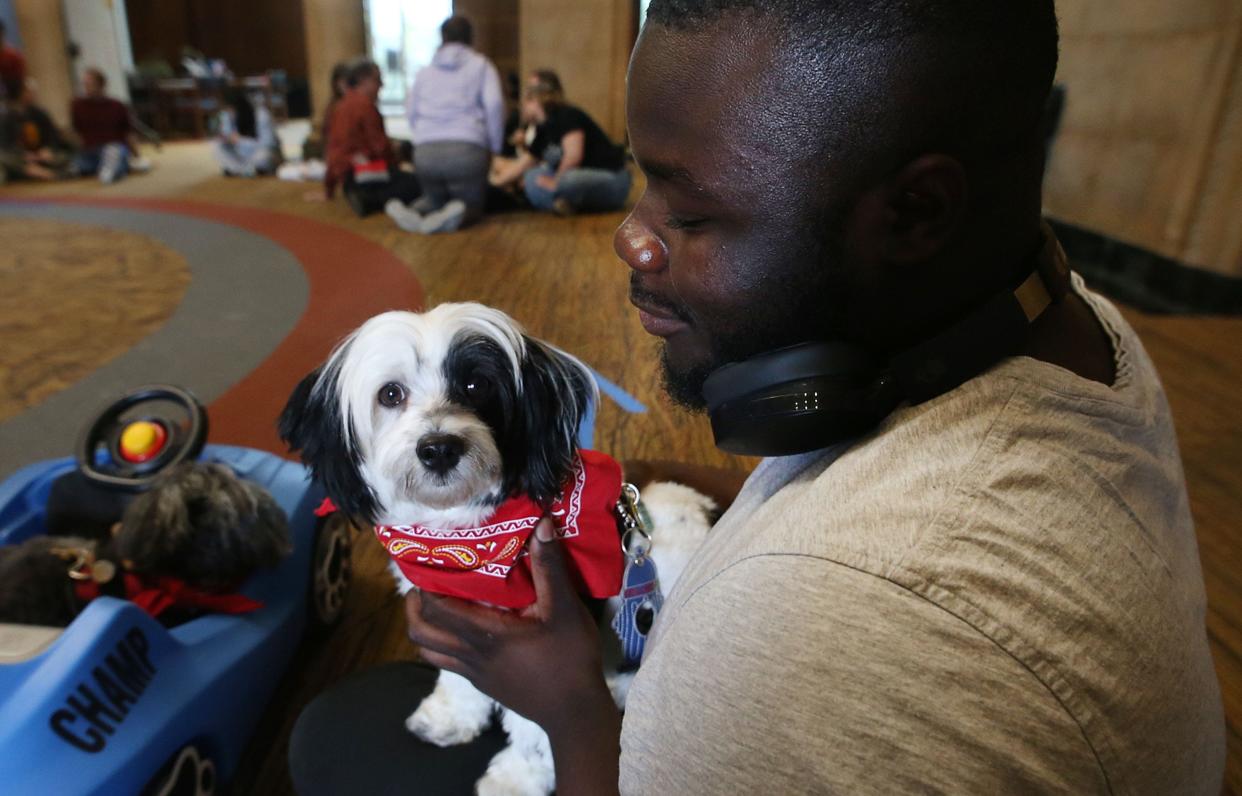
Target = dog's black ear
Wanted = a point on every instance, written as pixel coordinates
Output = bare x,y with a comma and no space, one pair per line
296,419
557,393
312,425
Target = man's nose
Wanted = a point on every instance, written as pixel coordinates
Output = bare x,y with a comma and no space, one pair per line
639,247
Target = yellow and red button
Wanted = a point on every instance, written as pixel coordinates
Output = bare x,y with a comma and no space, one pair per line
142,441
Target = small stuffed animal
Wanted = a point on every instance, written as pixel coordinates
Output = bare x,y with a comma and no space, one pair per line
180,549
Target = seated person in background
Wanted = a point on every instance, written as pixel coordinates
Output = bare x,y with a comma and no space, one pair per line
456,121
518,133
314,146
13,164
12,67
102,124
581,169
30,145
360,158
246,142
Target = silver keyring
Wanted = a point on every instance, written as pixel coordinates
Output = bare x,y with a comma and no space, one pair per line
635,543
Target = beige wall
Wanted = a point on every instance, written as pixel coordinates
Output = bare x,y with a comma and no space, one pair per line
1150,150
588,43
42,26
335,32
496,31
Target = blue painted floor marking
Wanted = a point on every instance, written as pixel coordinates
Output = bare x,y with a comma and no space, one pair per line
586,429
622,398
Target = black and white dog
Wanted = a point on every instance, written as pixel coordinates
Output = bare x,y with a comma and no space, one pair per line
435,419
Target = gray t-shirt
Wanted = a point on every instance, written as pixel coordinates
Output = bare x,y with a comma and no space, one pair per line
998,591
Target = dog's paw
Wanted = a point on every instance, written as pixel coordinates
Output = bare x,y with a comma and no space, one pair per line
437,722
512,773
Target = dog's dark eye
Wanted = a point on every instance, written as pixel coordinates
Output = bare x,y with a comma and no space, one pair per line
391,394
478,389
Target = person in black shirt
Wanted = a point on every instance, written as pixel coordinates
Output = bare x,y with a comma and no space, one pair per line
570,165
31,146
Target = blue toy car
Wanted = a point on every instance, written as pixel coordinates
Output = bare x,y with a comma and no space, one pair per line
118,704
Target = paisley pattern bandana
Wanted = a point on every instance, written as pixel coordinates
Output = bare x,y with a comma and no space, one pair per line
489,563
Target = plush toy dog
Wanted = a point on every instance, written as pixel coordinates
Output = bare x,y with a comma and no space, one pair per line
452,432
180,549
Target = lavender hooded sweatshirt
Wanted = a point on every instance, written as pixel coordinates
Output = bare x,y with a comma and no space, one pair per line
457,98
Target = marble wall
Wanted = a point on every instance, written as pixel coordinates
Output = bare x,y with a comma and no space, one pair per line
588,43
1150,150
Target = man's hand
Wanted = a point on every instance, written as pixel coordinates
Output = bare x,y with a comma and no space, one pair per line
543,662
546,182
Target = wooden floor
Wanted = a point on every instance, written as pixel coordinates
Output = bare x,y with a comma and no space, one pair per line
560,277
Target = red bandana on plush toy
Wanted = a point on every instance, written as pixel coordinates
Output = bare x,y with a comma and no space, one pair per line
489,563
156,594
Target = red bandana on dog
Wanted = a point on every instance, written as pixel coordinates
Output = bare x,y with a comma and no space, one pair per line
489,563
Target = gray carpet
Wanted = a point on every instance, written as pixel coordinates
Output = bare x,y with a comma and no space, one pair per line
246,293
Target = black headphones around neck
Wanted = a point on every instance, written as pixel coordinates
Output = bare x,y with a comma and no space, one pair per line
809,396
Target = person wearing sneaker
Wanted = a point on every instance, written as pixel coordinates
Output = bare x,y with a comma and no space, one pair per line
570,164
246,144
361,159
456,113
102,124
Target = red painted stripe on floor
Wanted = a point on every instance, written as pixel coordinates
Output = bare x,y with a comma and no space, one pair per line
351,279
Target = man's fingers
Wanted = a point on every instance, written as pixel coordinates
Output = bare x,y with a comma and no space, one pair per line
477,625
429,639
428,635
548,569
448,663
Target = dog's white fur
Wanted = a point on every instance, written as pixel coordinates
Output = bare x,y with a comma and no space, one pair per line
456,712
411,350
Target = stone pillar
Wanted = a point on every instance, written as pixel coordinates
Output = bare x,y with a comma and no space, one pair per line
588,43
1148,149
335,32
42,26
496,31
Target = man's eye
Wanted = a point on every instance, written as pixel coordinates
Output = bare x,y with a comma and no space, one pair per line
684,223
391,394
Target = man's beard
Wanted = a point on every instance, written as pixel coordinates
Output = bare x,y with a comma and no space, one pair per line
811,308
684,387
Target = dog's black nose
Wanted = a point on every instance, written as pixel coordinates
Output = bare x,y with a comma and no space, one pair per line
440,453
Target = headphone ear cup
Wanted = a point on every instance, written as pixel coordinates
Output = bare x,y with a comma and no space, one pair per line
813,395
797,399
797,416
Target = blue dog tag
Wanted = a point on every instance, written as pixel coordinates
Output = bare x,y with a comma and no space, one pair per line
640,602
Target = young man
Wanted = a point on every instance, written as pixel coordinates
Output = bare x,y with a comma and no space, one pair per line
102,125
457,114
995,590
360,156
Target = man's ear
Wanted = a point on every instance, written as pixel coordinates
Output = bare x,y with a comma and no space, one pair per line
925,206
913,215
